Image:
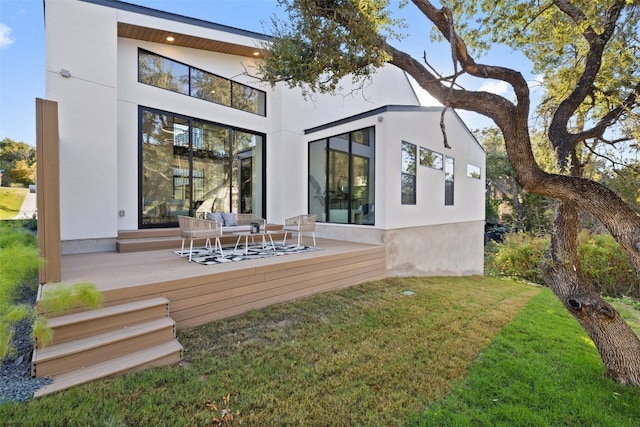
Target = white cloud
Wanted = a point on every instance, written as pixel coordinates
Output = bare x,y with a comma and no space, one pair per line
497,87
5,36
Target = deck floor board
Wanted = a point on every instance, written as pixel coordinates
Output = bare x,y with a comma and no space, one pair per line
199,293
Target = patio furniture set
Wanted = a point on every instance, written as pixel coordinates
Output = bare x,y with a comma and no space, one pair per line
241,225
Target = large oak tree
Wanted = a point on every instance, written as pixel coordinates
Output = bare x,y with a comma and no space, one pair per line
323,41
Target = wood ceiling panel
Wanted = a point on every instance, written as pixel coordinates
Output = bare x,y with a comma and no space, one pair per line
160,36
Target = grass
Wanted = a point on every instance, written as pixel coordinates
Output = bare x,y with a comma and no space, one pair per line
371,356
541,370
11,200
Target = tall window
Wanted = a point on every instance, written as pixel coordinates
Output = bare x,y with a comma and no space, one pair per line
165,73
408,173
449,169
191,167
342,178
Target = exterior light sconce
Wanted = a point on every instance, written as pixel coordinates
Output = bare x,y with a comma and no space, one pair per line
380,119
65,73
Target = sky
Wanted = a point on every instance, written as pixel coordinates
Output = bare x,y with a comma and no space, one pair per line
22,52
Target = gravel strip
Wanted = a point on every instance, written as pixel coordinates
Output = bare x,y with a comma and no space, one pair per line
16,384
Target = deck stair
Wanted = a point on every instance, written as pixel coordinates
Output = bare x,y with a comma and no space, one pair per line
113,340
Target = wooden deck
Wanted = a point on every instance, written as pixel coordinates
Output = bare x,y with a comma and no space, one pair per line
148,294
198,294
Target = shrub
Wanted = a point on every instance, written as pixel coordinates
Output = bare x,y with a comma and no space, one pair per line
602,261
607,266
19,267
519,255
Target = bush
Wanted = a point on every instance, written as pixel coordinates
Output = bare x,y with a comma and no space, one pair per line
607,266
18,267
603,262
519,255
19,264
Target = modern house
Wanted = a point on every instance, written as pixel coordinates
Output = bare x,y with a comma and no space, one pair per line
161,115
150,115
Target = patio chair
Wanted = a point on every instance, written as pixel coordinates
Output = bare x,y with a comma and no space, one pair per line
196,228
300,224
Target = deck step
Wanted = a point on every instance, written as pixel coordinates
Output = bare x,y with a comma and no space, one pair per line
167,353
71,355
88,323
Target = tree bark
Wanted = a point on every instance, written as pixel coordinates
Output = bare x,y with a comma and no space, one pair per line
618,345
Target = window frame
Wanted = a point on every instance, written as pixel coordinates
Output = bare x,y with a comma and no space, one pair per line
261,104
408,178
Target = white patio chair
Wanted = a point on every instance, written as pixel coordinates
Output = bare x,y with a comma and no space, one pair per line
300,224
196,228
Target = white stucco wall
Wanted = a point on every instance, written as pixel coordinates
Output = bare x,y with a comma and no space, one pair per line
132,94
98,110
81,38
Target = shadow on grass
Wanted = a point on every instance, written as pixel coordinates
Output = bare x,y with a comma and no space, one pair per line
541,370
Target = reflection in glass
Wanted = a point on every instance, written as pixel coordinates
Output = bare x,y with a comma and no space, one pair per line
430,158
408,189
342,178
318,179
449,170
156,70
473,171
191,167
408,158
163,72
246,98
247,168
165,192
408,184
211,179
210,87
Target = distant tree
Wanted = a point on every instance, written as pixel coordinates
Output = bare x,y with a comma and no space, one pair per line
591,48
521,209
18,160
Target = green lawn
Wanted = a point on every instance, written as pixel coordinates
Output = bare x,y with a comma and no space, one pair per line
11,201
457,351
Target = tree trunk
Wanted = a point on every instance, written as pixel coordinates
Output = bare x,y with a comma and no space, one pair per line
618,345
517,206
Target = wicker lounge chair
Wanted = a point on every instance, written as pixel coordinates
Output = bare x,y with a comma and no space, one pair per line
195,228
300,224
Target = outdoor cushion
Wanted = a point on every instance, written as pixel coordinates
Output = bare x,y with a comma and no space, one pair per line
236,228
229,219
215,216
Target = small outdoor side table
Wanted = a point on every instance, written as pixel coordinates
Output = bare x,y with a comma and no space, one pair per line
247,234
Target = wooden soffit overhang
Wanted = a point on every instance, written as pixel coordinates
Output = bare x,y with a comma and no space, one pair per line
136,32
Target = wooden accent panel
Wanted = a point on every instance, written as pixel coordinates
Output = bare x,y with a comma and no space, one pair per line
48,190
155,35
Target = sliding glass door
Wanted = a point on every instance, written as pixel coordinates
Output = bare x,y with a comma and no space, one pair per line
191,167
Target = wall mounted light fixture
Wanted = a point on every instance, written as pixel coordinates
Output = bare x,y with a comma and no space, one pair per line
65,73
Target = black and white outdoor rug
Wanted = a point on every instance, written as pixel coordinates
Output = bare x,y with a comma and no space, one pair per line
254,251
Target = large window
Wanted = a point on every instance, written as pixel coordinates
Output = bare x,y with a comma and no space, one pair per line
190,167
408,173
165,73
342,178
